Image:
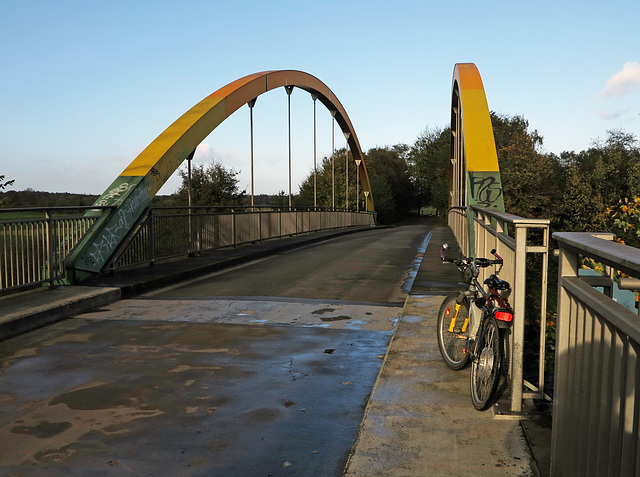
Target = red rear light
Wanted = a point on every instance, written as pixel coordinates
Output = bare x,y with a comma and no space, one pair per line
504,316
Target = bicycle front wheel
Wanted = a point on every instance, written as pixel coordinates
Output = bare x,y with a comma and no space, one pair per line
486,365
452,341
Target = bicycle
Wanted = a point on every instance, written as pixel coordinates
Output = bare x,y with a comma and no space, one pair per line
471,326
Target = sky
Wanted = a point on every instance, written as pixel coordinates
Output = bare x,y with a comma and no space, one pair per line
86,85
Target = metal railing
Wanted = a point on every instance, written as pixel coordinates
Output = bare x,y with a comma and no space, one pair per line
459,224
515,239
172,232
34,243
596,410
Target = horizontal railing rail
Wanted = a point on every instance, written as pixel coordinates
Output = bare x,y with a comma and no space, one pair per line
515,239
596,411
178,231
34,242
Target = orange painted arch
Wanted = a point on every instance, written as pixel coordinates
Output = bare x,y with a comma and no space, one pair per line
475,174
133,190
165,154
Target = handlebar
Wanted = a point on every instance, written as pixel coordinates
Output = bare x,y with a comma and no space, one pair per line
478,262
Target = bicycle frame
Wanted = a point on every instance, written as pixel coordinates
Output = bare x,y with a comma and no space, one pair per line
480,339
470,294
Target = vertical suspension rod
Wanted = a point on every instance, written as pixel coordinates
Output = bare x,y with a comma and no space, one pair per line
333,152
289,90
315,153
251,104
346,170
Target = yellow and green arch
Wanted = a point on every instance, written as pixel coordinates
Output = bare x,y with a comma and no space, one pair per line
475,171
132,191
475,174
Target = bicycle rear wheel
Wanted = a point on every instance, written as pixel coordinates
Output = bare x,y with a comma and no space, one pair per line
487,364
453,345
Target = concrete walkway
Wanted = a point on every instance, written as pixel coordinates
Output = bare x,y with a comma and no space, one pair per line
419,419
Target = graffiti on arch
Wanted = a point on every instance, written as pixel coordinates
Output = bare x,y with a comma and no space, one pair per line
132,202
485,189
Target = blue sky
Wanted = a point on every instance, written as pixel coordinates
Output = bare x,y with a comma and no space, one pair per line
87,85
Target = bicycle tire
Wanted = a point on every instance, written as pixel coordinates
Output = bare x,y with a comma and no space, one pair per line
453,346
486,365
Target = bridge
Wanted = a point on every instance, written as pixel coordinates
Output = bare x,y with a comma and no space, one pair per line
177,332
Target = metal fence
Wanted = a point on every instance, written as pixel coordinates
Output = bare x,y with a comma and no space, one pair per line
459,224
172,232
34,243
596,412
515,239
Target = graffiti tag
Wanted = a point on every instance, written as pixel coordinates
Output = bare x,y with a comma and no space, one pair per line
110,237
485,190
115,195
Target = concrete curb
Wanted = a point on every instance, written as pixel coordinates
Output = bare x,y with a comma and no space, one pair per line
60,307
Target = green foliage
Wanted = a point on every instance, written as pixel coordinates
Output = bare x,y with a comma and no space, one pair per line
5,182
33,198
325,184
391,182
429,161
530,179
211,185
597,180
624,218
389,177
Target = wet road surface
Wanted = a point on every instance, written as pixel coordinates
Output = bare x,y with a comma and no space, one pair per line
263,370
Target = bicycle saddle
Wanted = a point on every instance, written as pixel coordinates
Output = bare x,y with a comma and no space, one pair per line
494,282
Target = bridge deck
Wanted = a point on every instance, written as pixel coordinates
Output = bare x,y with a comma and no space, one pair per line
419,419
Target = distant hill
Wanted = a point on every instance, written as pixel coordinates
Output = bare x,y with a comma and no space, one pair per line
32,198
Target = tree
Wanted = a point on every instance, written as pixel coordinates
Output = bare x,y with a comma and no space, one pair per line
429,163
597,180
4,202
5,183
625,218
531,180
324,183
212,185
389,176
389,165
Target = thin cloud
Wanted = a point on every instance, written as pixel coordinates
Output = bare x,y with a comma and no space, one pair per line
203,152
606,114
624,82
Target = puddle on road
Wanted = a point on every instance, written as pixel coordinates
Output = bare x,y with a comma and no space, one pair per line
322,311
335,318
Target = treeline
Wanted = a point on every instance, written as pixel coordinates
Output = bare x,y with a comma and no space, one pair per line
33,198
597,189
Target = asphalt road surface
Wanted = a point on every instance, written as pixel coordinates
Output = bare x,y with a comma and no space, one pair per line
262,370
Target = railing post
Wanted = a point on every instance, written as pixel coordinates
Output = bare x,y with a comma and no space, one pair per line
567,268
517,353
49,247
152,238
233,228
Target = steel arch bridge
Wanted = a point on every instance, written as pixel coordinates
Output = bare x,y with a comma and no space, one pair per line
474,175
133,190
